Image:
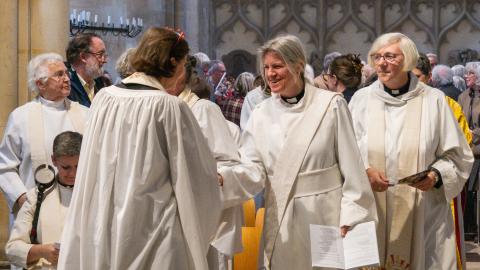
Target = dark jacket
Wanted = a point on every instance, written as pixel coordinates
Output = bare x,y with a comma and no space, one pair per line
77,92
450,90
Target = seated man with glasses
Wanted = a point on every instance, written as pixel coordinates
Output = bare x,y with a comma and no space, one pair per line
404,127
30,130
86,55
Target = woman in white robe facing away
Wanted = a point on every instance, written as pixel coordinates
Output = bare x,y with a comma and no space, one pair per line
300,145
147,194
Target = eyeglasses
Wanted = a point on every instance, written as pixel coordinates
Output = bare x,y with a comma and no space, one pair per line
60,75
470,73
100,54
388,57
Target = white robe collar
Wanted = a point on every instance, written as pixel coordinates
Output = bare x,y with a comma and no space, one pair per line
416,88
142,78
57,105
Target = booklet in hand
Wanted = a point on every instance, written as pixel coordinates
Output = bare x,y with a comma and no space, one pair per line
414,178
358,248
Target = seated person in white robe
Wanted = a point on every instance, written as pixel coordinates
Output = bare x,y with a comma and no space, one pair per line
147,195
36,244
31,128
301,146
404,127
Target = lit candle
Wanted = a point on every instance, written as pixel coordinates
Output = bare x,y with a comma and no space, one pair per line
83,15
72,17
79,17
121,21
140,22
95,18
88,16
74,13
109,19
128,22
134,22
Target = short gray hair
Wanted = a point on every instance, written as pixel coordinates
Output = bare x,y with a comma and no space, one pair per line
442,75
38,69
214,66
328,59
459,70
244,83
290,49
67,143
407,46
459,83
123,65
475,68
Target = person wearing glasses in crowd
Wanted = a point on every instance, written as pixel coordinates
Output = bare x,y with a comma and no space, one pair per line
35,239
404,127
31,128
300,145
344,75
147,194
470,102
86,55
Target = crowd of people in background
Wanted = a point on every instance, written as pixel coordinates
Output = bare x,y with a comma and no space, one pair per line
174,147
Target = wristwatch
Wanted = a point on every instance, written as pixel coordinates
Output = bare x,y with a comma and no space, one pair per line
438,178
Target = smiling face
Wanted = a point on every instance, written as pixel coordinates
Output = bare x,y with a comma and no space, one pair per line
389,64
278,76
470,79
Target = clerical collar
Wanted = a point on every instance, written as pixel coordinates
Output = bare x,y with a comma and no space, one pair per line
397,92
62,184
295,99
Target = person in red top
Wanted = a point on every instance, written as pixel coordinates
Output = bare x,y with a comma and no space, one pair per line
233,105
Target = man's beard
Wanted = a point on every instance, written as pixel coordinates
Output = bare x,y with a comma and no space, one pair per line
93,70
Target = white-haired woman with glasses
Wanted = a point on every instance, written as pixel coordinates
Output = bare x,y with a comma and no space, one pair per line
300,145
404,127
31,128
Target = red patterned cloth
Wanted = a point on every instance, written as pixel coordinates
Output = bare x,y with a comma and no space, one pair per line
232,108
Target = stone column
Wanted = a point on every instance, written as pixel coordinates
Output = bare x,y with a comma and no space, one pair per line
8,93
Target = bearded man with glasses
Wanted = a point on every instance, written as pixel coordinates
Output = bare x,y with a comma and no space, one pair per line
86,55
404,127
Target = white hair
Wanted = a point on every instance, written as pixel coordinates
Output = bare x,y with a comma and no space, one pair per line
442,75
123,66
290,49
328,59
244,83
407,46
475,68
38,69
202,58
459,70
459,83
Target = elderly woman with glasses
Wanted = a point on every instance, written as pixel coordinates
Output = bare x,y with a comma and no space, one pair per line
405,127
299,144
31,128
147,195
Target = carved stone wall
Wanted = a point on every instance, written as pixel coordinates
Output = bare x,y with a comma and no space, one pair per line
438,26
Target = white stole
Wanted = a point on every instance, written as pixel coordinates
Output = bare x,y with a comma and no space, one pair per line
278,191
395,244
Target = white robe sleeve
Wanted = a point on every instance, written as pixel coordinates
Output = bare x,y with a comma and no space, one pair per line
454,156
10,159
358,203
18,244
358,111
247,178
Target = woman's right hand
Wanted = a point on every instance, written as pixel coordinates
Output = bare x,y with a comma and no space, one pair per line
378,180
46,251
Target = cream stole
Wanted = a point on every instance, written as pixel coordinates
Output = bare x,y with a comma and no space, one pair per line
278,191
395,242
188,97
36,129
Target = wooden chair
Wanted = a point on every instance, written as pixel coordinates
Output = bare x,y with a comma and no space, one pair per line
249,213
251,236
